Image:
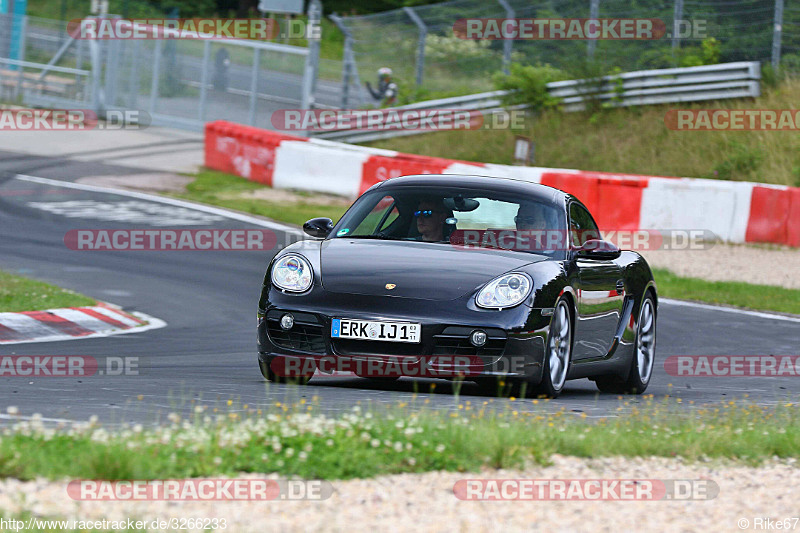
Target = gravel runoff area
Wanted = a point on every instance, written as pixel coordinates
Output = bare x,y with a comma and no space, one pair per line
410,502
762,265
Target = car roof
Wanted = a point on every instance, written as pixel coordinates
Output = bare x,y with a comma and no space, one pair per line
534,191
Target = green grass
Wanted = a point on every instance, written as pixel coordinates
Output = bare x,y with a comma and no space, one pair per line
634,141
218,188
23,294
734,293
292,440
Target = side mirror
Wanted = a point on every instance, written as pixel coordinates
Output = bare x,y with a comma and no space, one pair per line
318,227
597,249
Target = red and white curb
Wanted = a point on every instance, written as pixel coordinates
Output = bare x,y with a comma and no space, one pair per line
71,323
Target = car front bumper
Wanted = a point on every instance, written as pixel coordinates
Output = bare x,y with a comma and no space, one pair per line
515,345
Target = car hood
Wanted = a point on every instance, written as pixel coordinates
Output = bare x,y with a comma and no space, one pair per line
426,271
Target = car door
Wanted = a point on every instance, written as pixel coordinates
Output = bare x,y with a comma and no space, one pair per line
599,287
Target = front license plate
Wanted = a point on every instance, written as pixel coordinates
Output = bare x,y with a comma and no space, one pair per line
368,330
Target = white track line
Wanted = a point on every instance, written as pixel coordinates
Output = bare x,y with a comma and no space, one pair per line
289,229
758,314
19,418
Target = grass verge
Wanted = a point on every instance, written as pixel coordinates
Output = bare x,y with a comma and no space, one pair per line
23,294
291,440
733,293
227,190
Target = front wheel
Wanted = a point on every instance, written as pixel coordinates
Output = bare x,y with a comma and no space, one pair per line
644,358
558,352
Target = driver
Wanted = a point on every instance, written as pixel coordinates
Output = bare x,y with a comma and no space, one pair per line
431,214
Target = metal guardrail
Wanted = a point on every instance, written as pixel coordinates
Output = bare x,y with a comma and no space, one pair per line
644,87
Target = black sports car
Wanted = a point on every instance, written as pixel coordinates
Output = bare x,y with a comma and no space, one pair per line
466,277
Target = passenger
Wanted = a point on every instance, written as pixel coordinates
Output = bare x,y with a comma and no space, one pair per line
529,217
532,220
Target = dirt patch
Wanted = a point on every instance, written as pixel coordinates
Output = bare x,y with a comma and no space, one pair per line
289,196
155,182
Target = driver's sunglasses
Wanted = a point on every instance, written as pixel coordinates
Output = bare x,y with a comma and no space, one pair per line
424,214
526,220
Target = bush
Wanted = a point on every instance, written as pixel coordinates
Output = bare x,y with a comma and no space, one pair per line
528,85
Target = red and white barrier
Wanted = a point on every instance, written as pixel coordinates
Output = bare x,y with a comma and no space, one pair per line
735,211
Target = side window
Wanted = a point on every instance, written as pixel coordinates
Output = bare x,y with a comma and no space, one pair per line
382,214
581,226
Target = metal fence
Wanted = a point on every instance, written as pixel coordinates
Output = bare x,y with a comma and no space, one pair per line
428,59
181,83
644,87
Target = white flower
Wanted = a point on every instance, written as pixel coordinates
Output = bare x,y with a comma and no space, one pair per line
302,456
289,452
375,443
217,460
439,448
12,410
329,442
398,446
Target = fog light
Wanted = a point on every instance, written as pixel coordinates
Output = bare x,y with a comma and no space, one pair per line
478,338
287,321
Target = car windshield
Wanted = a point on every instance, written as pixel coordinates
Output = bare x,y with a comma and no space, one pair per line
468,218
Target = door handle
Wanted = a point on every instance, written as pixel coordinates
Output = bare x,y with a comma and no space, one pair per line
620,286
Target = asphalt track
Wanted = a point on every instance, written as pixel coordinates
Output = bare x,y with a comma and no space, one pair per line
207,354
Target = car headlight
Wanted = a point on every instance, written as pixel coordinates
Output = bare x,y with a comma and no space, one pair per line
292,273
507,290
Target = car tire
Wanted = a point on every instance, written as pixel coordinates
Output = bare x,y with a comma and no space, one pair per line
265,365
643,359
558,352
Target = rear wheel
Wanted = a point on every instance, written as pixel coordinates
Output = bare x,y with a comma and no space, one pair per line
558,352
644,358
268,366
